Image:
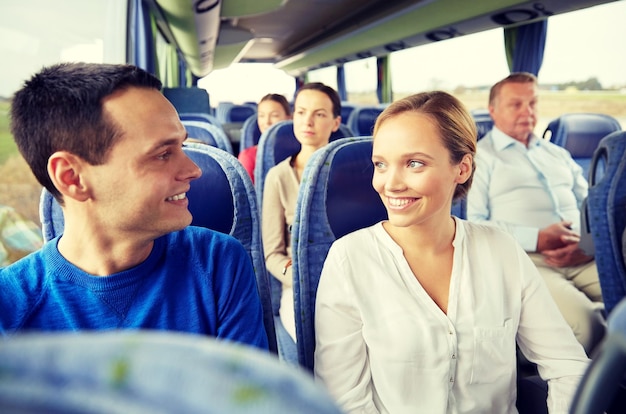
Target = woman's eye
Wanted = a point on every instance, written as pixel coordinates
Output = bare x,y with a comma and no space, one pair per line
164,156
415,164
379,164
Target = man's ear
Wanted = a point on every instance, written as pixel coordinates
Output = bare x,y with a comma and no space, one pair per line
65,170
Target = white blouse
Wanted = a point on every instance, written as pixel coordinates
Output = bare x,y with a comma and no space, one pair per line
384,346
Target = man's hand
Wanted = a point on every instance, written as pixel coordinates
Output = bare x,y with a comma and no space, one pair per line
556,236
570,255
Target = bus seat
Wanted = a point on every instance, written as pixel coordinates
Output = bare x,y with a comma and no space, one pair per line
276,144
232,118
606,215
250,133
189,99
602,388
228,112
196,116
346,110
149,372
222,199
220,111
580,133
362,119
239,113
209,134
483,121
336,198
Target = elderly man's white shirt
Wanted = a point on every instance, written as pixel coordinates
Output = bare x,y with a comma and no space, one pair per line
522,190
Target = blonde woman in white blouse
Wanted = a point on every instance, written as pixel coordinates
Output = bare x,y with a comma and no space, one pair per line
421,313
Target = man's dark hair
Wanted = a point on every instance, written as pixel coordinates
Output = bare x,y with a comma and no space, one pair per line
60,109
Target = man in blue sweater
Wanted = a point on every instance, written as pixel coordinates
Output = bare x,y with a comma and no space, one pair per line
108,145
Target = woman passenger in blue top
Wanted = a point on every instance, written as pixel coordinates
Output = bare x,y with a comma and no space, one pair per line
421,313
108,145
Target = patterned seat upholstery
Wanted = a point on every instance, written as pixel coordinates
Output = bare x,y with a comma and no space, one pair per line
606,215
250,133
150,372
276,144
336,198
209,134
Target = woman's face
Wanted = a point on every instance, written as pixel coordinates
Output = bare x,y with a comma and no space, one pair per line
413,173
268,113
313,119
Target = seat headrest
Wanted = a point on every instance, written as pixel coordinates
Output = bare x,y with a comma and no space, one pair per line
210,196
580,133
352,203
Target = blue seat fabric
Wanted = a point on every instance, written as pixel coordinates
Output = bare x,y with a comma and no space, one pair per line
189,99
149,372
250,133
606,213
362,119
580,134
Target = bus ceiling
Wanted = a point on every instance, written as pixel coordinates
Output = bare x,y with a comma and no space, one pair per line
302,35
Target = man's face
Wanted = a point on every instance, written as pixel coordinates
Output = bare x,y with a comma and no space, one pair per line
514,110
140,190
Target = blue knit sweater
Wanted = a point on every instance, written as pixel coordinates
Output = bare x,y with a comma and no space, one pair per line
195,280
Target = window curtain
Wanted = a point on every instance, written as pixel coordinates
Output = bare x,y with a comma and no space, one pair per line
383,89
141,44
341,83
525,45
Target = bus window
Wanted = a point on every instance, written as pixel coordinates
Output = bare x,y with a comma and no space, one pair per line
36,33
361,81
327,76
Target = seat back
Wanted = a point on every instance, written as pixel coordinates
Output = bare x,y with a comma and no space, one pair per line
197,116
149,372
209,134
239,113
277,143
346,110
483,121
221,109
336,197
250,133
232,118
222,199
606,215
604,378
362,119
580,134
189,99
